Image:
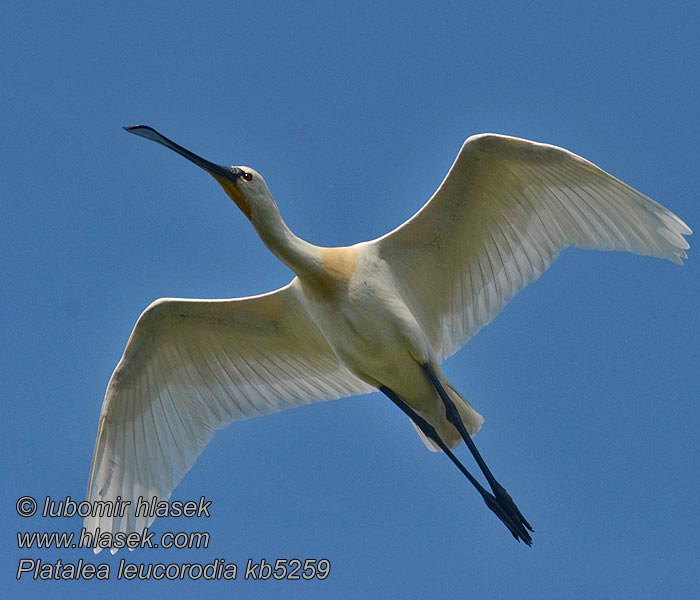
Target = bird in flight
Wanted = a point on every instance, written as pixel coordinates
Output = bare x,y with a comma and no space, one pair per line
379,315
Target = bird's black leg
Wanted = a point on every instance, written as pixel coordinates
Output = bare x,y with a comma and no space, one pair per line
502,496
513,526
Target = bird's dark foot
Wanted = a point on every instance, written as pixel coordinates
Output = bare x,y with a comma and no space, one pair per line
517,530
512,512
509,506
515,527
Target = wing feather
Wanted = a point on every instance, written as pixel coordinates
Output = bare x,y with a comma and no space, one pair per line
191,367
504,212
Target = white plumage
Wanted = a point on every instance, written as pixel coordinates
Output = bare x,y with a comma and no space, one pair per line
359,318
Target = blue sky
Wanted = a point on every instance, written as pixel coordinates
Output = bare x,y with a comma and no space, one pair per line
588,380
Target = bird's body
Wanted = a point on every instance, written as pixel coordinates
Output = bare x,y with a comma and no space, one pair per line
372,331
377,315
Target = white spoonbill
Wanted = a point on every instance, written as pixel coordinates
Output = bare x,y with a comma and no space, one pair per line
379,315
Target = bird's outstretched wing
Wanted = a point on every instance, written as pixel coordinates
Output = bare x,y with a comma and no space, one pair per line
190,367
504,212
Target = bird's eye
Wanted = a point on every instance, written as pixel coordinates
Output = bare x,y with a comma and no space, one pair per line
247,176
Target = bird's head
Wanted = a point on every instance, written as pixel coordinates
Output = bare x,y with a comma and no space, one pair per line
244,185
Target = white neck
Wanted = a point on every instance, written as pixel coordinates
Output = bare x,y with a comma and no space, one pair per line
300,256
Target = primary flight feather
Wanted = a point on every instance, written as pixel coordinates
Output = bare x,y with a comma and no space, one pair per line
376,315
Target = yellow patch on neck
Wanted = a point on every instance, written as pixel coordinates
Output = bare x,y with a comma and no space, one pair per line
339,263
337,267
234,193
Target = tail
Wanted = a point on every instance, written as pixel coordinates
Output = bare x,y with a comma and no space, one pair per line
472,421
